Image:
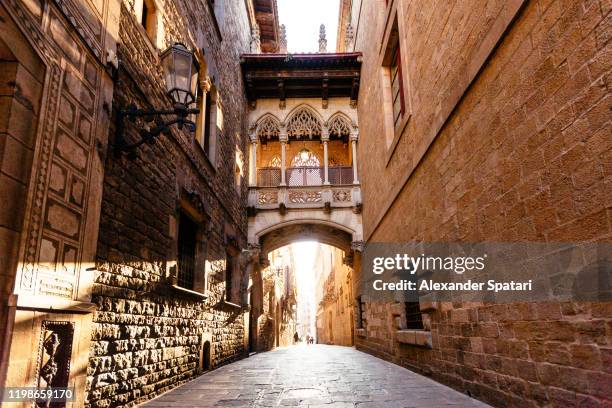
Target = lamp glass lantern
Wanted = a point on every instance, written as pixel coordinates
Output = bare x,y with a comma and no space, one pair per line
181,71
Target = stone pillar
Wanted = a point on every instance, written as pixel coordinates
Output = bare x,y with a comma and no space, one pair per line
354,137
325,139
283,141
283,163
253,172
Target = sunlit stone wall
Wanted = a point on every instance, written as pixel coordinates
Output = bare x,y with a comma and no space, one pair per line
149,336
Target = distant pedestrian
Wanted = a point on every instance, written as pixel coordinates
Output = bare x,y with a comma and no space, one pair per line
296,338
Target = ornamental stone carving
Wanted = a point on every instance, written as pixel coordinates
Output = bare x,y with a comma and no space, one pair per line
304,123
268,128
339,126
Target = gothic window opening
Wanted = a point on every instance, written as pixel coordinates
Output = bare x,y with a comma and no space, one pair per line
304,124
305,158
187,243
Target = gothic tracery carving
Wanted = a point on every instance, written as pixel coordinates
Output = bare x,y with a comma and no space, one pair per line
268,128
305,158
304,123
339,127
275,162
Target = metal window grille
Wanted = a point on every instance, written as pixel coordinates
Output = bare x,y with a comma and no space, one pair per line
268,177
414,319
339,175
360,313
305,176
186,251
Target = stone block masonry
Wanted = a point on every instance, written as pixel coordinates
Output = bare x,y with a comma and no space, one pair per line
508,140
147,336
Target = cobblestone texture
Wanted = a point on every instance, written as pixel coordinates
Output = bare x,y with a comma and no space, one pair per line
314,376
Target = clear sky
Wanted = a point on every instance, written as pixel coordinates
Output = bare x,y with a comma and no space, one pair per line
302,19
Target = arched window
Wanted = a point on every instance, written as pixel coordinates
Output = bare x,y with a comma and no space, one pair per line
304,123
305,158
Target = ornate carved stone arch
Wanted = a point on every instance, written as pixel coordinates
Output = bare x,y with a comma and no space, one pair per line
268,127
304,121
339,126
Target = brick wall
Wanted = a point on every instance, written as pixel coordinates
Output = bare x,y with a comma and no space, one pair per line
508,142
147,338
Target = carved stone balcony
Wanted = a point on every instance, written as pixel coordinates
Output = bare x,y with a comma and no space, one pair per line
318,196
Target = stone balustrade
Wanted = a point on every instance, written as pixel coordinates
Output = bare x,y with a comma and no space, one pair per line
267,198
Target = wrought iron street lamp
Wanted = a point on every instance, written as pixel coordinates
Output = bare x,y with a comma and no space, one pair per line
181,73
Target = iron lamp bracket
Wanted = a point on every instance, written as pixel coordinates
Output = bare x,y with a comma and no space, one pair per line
159,122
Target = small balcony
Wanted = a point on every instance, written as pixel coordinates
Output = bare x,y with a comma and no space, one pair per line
305,176
315,196
306,162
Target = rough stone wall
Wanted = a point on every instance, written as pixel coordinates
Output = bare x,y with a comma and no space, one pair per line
524,155
146,337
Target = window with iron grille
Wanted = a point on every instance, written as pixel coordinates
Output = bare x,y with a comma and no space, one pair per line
187,241
361,317
414,320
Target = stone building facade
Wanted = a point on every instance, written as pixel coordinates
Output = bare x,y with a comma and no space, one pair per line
123,275
56,98
276,323
335,313
494,126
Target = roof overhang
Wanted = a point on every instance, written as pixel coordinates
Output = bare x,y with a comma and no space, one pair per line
266,14
281,76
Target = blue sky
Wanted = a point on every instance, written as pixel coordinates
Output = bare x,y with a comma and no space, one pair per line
303,18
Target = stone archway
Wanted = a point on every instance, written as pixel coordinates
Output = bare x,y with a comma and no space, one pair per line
271,230
289,233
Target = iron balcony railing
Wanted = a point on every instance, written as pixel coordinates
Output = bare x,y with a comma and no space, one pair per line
304,176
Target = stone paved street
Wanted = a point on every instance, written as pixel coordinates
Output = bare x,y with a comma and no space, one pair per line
313,376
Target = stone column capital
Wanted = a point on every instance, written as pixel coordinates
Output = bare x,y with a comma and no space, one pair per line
324,133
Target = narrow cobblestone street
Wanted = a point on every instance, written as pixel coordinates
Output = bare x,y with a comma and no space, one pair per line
313,376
